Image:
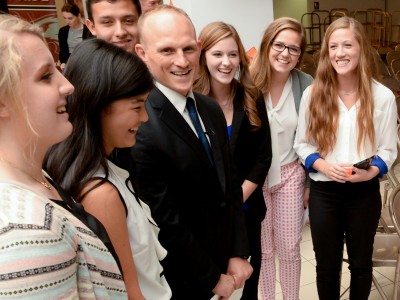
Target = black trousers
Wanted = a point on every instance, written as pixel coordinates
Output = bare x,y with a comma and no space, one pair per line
339,210
250,290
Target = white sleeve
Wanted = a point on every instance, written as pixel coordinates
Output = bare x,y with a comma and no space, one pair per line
386,129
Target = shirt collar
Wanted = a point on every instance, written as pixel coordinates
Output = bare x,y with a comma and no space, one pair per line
176,99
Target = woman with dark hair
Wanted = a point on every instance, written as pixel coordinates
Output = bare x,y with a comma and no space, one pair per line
222,57
72,34
106,109
46,251
275,74
346,116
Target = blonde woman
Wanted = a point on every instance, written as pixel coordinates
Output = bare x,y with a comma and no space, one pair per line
346,116
45,251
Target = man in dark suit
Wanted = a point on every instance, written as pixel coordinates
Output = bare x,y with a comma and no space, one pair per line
188,184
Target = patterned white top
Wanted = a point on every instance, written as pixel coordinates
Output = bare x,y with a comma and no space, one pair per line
47,253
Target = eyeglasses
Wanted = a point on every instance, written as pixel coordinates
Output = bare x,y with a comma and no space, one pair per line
280,47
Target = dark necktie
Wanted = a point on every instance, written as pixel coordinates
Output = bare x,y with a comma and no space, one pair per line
191,107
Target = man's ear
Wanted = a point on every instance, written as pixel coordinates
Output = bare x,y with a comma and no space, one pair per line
139,49
90,26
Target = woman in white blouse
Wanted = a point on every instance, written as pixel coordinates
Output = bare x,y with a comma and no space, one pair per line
346,117
274,73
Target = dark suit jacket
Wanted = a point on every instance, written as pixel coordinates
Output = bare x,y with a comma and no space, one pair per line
197,207
252,152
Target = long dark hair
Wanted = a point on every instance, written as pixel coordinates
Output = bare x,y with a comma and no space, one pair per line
101,73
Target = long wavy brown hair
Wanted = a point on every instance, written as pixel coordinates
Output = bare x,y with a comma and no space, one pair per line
261,68
323,114
209,36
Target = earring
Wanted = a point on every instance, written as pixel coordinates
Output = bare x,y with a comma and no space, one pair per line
237,74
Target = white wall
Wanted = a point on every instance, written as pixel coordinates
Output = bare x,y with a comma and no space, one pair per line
249,17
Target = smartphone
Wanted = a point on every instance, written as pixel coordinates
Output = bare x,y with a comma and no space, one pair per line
364,164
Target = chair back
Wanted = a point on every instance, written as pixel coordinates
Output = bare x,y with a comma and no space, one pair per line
392,55
309,69
394,207
395,65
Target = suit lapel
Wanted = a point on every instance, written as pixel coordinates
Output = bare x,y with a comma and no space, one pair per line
173,119
213,137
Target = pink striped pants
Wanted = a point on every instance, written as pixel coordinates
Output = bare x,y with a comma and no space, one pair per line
281,232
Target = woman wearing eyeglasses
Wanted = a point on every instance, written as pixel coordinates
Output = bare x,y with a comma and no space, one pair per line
274,73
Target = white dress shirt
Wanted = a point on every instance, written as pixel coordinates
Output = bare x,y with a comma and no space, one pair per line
179,102
345,149
283,123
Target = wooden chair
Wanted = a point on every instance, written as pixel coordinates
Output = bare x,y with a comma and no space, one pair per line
387,246
396,26
339,11
381,28
312,25
362,17
392,55
308,59
324,18
309,69
315,56
397,75
392,83
395,66
387,239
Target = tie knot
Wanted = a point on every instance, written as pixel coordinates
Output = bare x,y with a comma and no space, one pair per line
191,107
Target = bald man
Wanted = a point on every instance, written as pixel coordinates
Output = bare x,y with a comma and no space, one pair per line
185,175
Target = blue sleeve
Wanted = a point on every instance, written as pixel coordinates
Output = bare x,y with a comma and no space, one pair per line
310,160
382,166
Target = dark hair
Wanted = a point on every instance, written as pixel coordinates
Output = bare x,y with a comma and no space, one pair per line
101,73
71,8
89,4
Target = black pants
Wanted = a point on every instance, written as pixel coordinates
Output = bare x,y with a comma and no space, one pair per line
250,290
339,210
254,214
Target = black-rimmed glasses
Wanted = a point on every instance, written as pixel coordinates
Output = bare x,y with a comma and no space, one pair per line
280,47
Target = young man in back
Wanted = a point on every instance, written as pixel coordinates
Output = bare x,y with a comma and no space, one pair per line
114,21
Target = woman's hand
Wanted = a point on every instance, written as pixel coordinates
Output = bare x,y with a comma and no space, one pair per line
364,175
336,172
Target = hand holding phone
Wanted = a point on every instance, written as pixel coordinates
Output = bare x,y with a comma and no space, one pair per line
364,164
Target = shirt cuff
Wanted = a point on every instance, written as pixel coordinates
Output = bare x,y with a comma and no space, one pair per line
382,166
310,160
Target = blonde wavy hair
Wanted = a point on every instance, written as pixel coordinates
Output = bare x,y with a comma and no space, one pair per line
211,35
11,28
261,68
322,126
